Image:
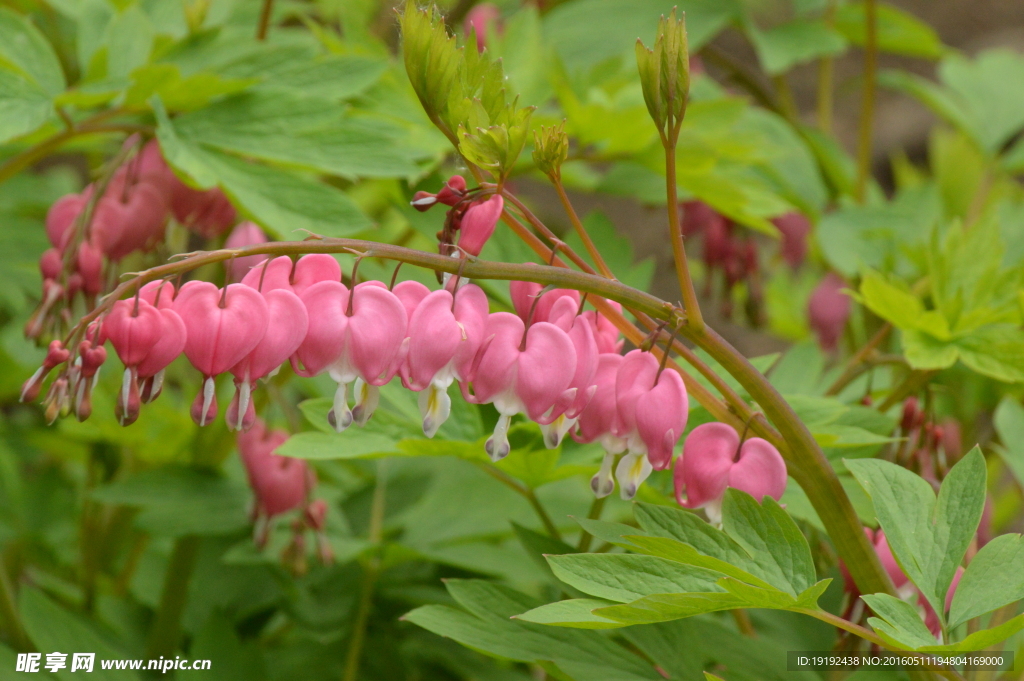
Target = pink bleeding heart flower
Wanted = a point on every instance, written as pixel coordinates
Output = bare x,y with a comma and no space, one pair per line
171,344
89,265
605,333
286,329
714,459
453,191
56,354
527,298
931,620
51,264
794,228
481,20
652,409
359,336
564,315
885,557
280,483
411,293
133,327
128,220
223,326
159,294
443,340
244,234
521,370
62,214
598,422
478,224
91,357
695,216
208,213
828,309
281,272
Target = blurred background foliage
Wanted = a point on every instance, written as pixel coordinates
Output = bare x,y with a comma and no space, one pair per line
317,129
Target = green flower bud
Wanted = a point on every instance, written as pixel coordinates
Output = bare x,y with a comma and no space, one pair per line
665,75
551,148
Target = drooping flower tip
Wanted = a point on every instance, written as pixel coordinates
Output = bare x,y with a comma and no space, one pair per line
478,224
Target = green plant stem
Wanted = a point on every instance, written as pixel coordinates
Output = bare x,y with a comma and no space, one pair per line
851,370
11,621
743,622
370,574
527,493
595,512
27,157
786,100
264,23
166,630
869,635
807,464
694,319
867,111
581,231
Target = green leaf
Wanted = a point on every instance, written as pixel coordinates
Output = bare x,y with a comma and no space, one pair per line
178,501
334,77
983,639
23,106
899,32
484,625
575,613
1009,423
25,52
180,93
898,622
54,629
771,537
353,444
994,578
928,537
626,577
590,31
795,42
128,42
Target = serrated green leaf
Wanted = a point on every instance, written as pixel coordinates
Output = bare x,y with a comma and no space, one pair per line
993,578
898,621
980,640
575,613
24,107
626,577
928,536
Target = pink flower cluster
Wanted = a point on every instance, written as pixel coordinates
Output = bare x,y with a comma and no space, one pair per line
130,216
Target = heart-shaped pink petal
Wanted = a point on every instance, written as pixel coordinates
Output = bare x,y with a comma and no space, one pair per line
220,337
434,337
661,418
286,329
168,347
411,293
62,215
760,470
546,368
471,312
377,329
270,274
328,325
314,268
703,470
133,328
636,377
